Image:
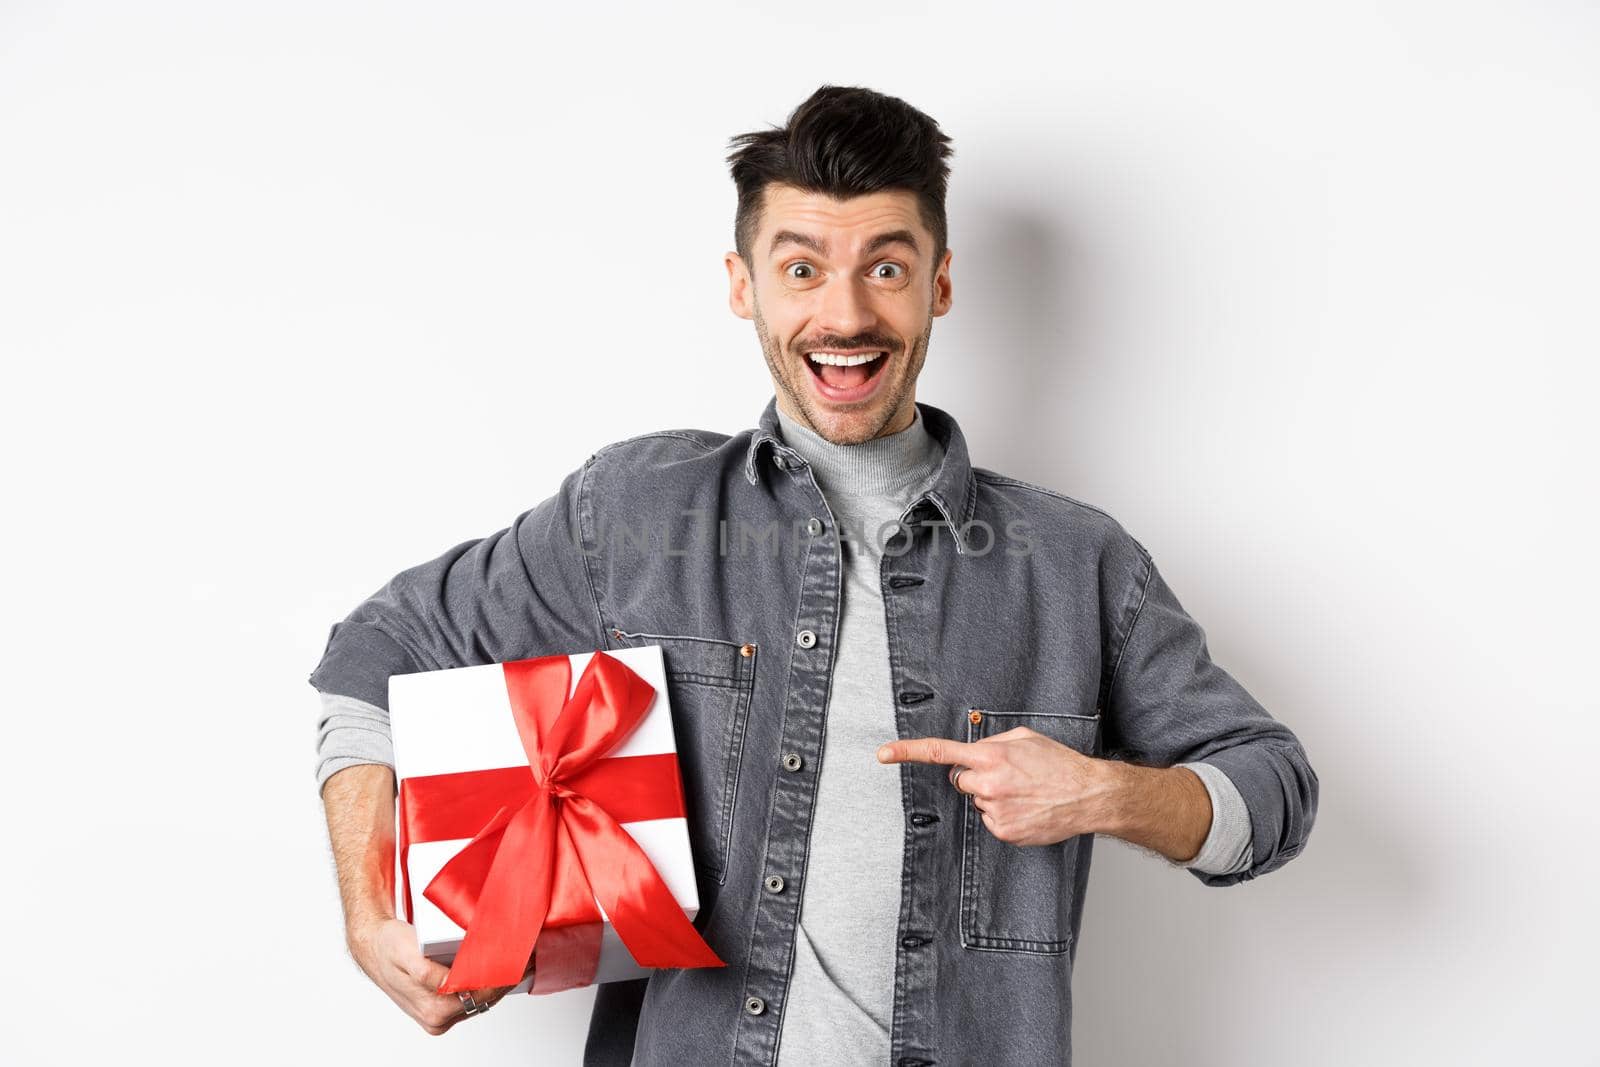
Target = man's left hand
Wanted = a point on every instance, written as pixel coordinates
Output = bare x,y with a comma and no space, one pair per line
1031,789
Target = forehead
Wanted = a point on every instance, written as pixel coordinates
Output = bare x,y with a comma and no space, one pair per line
843,225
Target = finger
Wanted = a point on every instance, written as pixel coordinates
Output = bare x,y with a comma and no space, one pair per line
935,750
484,998
960,777
453,1008
437,1012
972,783
429,975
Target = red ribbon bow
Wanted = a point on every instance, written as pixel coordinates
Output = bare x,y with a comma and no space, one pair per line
546,840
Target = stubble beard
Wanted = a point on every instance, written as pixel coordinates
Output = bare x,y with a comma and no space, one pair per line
799,395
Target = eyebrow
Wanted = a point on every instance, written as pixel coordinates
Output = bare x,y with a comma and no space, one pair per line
805,240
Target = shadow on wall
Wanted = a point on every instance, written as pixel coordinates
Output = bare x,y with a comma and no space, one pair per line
1015,351
1167,970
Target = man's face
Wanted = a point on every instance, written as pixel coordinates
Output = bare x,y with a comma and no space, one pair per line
854,283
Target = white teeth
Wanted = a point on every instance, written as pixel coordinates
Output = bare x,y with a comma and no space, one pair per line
833,359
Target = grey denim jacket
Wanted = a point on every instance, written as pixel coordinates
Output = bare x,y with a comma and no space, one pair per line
1007,605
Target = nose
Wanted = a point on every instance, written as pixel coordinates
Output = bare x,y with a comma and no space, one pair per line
846,307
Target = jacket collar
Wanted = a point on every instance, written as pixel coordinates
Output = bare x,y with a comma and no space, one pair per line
952,491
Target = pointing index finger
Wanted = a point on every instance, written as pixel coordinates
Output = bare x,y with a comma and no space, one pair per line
933,750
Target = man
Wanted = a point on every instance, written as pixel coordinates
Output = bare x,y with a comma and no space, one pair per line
908,691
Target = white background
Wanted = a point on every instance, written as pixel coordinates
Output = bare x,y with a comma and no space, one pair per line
293,296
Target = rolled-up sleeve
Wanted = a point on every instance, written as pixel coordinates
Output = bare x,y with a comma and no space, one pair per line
1170,704
351,732
1226,848
522,591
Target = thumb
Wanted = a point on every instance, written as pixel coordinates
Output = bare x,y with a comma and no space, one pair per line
431,973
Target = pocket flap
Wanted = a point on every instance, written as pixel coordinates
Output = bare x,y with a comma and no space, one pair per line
709,660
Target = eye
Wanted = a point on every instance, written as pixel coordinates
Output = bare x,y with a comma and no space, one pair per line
807,271
895,269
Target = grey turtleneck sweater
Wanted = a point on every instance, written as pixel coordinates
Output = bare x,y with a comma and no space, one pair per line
840,1001
840,1004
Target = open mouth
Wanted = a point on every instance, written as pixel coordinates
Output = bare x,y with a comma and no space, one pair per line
846,376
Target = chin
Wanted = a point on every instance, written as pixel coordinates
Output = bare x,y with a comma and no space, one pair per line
851,427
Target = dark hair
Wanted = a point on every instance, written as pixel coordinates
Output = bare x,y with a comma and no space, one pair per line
844,141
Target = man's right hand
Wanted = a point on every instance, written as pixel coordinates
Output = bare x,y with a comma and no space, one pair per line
387,950
361,828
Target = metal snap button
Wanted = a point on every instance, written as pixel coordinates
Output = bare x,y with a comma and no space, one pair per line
974,716
813,526
774,883
747,650
805,638
792,762
754,1005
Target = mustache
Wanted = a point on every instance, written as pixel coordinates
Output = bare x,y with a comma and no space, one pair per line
833,341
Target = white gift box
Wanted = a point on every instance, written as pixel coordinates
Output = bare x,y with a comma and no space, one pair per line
457,720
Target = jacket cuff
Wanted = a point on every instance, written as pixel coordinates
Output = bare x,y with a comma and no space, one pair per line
357,662
1280,792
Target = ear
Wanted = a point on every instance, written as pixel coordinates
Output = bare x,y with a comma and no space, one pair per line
739,285
941,285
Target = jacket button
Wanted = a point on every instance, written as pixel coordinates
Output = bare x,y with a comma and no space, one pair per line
813,526
805,638
792,761
754,1005
923,818
774,883
747,650
912,942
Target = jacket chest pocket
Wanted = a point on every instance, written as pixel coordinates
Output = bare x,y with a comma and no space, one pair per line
709,684
1023,898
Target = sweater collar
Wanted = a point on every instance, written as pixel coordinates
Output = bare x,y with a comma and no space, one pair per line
884,466
952,492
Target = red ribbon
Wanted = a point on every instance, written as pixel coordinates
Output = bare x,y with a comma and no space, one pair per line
546,840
